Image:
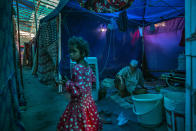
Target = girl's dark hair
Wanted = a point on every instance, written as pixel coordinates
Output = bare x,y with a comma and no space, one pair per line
80,43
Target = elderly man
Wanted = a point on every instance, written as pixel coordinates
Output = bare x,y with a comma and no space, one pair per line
129,80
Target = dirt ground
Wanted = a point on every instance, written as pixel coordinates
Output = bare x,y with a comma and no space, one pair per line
45,106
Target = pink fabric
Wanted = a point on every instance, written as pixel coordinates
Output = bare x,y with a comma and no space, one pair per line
162,46
81,113
135,36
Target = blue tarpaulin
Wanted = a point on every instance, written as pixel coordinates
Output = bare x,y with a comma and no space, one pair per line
114,49
141,11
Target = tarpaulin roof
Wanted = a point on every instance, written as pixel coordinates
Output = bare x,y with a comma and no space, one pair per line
141,11
27,9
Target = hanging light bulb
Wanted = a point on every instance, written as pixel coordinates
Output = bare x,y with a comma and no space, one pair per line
103,28
161,24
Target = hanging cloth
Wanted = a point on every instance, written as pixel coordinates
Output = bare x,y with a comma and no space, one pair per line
122,21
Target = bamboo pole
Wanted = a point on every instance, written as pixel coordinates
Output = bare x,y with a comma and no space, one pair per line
143,68
21,75
37,49
35,15
59,49
35,19
35,53
14,51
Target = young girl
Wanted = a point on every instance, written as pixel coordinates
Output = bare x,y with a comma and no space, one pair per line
81,113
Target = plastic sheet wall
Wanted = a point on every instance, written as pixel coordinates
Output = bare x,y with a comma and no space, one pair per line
162,46
114,49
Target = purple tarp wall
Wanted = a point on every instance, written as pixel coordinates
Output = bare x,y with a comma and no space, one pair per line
115,49
162,45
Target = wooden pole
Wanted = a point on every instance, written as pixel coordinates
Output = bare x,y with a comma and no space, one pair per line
33,46
143,55
37,49
143,68
35,15
59,49
35,53
35,19
14,50
21,75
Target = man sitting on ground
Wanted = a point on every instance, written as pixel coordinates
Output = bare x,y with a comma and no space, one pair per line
129,80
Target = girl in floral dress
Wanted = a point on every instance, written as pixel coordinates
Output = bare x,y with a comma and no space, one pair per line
81,113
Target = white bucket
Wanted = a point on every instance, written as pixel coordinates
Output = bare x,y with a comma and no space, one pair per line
174,103
148,108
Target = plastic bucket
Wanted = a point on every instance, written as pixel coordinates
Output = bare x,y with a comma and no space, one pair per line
148,108
174,103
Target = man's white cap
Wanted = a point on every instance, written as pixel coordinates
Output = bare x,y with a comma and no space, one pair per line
134,63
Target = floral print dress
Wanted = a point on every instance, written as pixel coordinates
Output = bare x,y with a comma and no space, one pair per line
81,113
